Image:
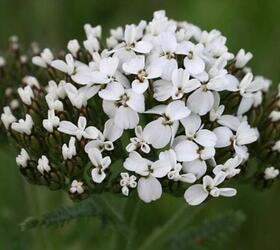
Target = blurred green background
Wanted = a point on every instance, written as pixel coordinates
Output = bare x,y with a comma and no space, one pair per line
249,24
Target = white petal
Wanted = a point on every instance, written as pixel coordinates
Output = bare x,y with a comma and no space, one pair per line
82,122
112,92
126,118
95,156
196,167
177,110
136,101
134,65
188,178
91,133
195,65
109,65
207,153
135,162
162,90
160,168
245,105
109,108
67,128
168,42
195,194
143,47
191,124
111,131
186,151
157,134
229,121
60,65
227,192
200,102
206,138
140,87
97,175
149,189
227,82
224,136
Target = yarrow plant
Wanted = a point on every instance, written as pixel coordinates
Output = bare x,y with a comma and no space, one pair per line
162,107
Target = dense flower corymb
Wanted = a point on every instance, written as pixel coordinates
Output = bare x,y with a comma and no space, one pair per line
164,108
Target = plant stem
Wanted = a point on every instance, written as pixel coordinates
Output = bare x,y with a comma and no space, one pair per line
177,221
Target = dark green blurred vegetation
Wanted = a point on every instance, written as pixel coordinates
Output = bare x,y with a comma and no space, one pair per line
250,24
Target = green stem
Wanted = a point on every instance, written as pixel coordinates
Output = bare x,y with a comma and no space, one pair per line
177,221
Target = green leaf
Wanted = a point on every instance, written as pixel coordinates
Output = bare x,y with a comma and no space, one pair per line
92,207
211,231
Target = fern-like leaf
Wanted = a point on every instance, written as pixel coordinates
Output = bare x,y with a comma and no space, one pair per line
211,231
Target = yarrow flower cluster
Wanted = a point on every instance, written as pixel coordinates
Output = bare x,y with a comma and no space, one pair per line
165,107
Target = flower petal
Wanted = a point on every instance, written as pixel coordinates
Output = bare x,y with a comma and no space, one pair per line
195,194
149,189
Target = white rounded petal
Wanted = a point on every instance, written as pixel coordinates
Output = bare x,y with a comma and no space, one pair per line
160,168
91,133
157,134
136,101
109,108
163,90
195,65
95,156
111,131
140,87
109,65
136,163
206,138
67,128
112,92
97,175
186,151
188,178
200,101
149,189
224,136
126,118
82,122
195,194
196,167
229,121
191,124
143,47
60,65
134,65
207,153
245,105
177,110
227,192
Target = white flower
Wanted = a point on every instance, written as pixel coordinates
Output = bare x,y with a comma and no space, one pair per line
69,151
193,61
23,126
7,117
122,105
132,34
274,116
52,121
197,193
248,88
105,140
44,60
242,58
149,188
271,173
194,131
202,100
26,94
138,142
181,84
101,164
53,102
276,146
77,187
43,165
31,81
92,45
159,133
127,182
67,67
143,73
169,157
79,97
57,90
229,167
73,46
79,131
2,62
23,158
93,31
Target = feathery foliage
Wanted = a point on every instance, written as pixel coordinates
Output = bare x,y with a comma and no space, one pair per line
211,232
